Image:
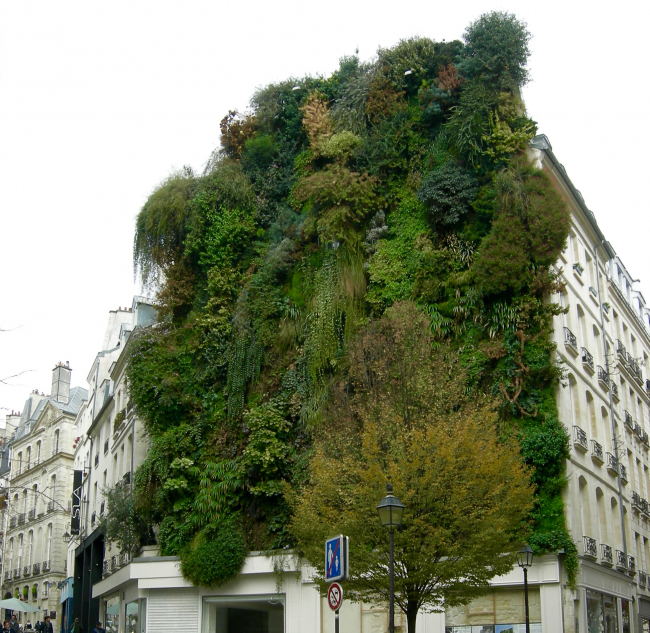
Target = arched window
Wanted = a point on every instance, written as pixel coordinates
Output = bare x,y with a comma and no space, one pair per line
582,326
56,442
29,558
38,554
34,499
20,462
575,400
603,517
598,352
20,552
591,411
616,522
48,543
25,501
38,452
605,418
53,487
28,457
585,509
11,553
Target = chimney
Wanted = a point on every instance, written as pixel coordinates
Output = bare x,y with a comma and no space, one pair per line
61,382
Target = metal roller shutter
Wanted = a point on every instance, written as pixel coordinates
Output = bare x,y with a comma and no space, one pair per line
171,609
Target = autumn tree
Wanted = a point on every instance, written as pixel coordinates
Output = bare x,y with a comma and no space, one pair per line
403,416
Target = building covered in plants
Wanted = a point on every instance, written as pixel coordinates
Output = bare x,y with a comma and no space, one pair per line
370,259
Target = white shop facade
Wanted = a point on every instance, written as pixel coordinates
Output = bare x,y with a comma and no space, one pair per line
149,595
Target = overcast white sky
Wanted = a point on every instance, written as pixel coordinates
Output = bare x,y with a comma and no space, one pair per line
99,101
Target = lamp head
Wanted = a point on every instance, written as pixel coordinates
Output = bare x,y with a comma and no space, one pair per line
525,556
390,509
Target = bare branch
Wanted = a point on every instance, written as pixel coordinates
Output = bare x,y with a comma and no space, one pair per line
3,381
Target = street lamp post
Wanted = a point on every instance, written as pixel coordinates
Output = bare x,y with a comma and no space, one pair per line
390,510
525,560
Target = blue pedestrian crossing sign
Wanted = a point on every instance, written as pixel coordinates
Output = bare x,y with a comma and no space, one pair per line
336,558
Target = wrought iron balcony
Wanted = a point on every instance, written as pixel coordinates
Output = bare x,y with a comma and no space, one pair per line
621,560
642,579
614,387
596,451
638,431
629,422
603,377
32,514
36,568
50,506
21,518
27,570
631,565
580,439
612,463
16,573
621,351
606,555
570,340
46,566
636,500
589,547
622,471
587,360
12,522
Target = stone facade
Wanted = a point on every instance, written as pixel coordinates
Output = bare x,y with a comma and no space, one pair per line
39,485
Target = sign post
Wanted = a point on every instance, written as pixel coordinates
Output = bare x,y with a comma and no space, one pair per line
336,568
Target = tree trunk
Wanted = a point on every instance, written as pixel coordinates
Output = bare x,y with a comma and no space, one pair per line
411,615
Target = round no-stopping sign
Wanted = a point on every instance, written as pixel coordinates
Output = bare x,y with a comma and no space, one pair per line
335,596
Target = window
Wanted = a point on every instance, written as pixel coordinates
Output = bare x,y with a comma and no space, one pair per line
56,442
601,613
48,542
30,548
38,452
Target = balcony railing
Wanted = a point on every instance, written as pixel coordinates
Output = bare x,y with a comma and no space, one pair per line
21,518
27,570
32,514
596,451
16,573
589,547
621,351
36,568
124,559
55,450
587,360
638,431
603,378
46,566
113,562
12,522
592,291
631,565
621,559
622,471
606,555
8,575
50,506
642,579
106,567
614,387
612,463
570,340
629,422
580,439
